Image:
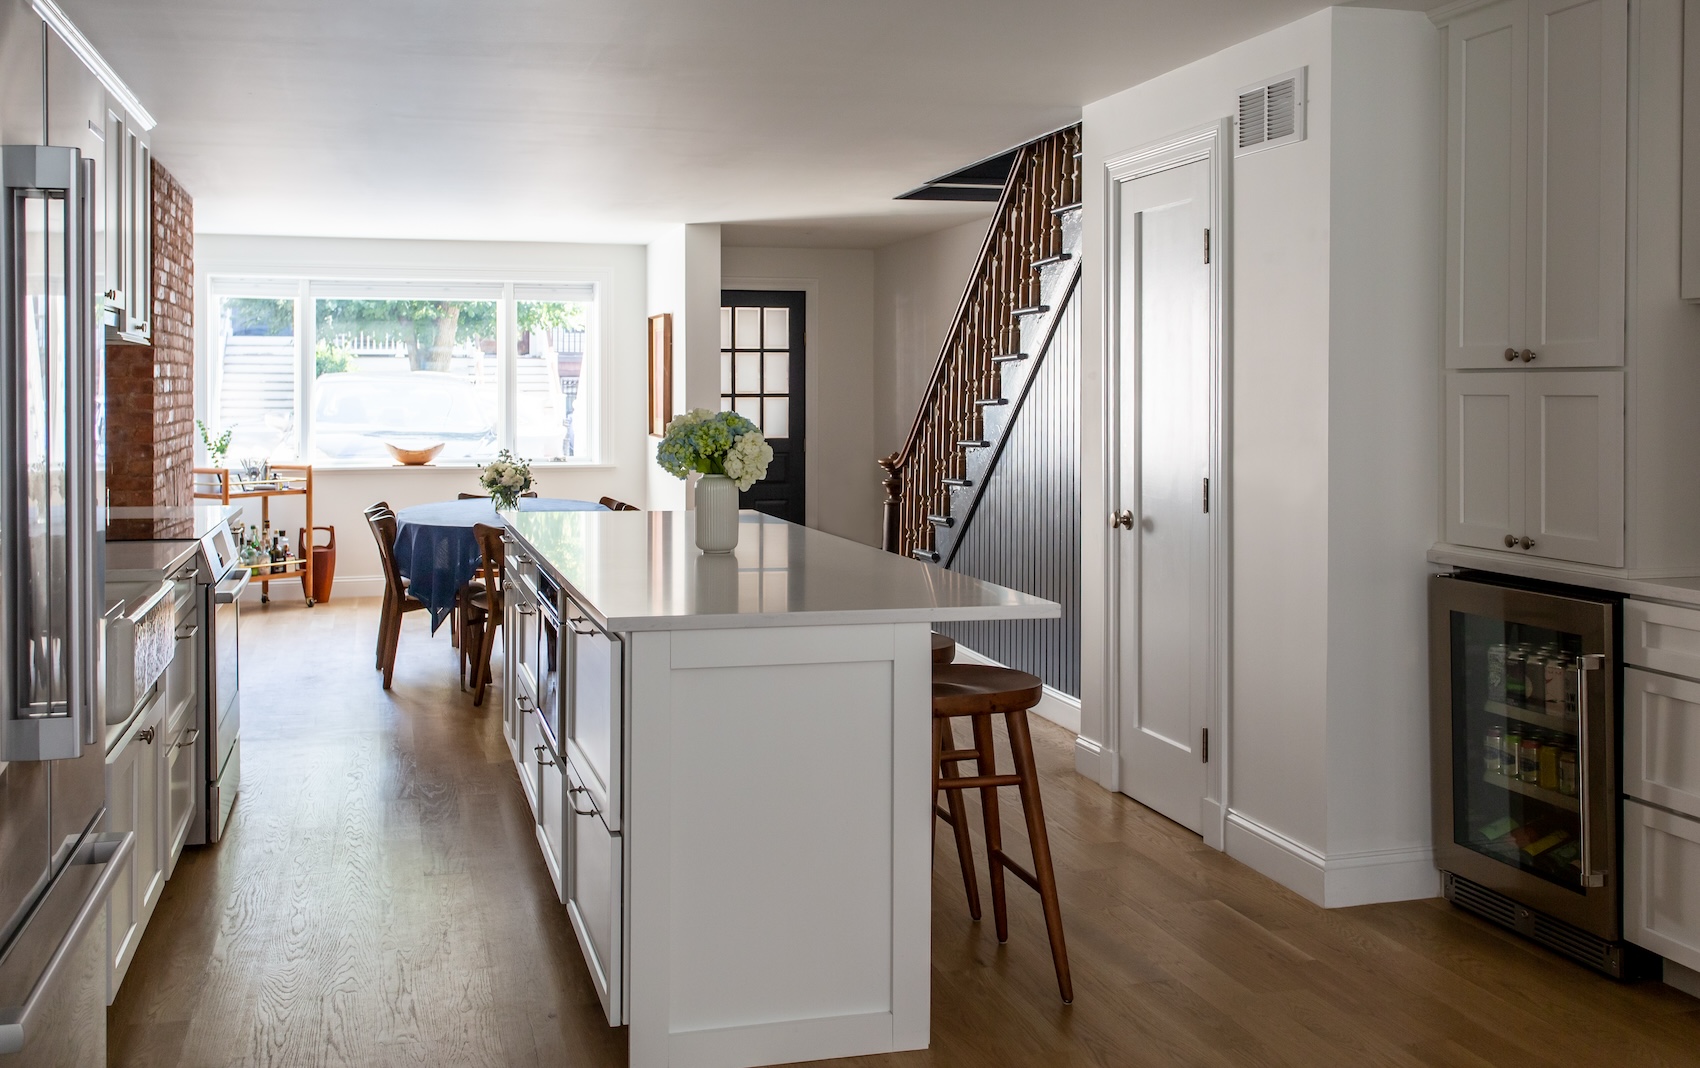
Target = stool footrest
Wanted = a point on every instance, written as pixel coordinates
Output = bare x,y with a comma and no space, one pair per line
956,756
978,782
1017,870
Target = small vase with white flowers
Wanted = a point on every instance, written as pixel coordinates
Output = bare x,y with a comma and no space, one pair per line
505,479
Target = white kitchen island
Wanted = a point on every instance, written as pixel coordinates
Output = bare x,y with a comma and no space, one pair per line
729,763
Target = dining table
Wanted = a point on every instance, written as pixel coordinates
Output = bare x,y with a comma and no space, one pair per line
436,551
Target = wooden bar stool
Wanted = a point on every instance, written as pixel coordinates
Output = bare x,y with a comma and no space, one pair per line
944,649
979,692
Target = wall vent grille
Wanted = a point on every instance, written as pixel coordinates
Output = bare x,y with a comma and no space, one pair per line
1271,113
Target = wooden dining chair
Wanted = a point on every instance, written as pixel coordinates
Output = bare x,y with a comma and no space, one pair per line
485,608
397,601
618,506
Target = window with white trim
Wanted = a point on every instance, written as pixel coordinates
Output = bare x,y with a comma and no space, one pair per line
338,372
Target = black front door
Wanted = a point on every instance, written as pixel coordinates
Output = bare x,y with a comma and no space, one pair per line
761,378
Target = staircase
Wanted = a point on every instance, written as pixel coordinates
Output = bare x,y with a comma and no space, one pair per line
1024,279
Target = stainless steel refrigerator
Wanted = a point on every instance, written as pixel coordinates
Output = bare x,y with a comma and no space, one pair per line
56,866
1524,685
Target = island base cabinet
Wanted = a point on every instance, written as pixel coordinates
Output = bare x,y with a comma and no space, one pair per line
777,843
551,816
594,897
1661,861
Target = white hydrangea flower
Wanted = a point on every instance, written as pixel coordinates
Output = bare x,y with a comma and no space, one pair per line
746,462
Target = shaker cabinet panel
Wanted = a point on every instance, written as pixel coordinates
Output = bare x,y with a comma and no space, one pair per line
1661,873
1484,458
1578,173
1486,213
1574,466
1661,740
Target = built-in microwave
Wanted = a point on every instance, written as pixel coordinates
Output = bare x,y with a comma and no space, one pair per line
548,662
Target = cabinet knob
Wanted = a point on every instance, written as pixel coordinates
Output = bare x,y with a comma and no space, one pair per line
1528,355
145,735
1527,543
1510,354
1123,518
1510,543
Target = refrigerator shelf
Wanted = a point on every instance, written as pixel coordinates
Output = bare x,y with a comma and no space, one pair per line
1529,789
1565,724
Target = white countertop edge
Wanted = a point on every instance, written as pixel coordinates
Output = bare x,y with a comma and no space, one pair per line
845,617
1672,589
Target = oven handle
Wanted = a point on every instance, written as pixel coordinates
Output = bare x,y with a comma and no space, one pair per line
228,591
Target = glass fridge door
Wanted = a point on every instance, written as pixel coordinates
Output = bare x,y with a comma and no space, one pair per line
1516,759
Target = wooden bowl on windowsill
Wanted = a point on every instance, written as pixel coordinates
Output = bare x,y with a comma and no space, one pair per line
414,457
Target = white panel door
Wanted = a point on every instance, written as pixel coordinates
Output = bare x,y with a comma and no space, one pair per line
1574,474
1661,883
1486,186
1165,354
1661,741
1484,458
1578,167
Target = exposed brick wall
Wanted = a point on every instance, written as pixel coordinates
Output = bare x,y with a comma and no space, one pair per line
150,390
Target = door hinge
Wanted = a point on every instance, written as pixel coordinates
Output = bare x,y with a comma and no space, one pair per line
1207,745
1206,244
1207,493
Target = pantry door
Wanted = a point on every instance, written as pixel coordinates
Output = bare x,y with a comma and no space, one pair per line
1164,351
762,339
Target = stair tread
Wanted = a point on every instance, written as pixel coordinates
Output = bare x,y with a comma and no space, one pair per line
991,402
1033,309
1008,356
961,482
1061,257
974,443
1076,206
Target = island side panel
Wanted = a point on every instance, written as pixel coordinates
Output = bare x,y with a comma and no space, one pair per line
779,844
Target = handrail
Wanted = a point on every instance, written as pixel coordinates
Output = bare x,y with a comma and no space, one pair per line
1024,231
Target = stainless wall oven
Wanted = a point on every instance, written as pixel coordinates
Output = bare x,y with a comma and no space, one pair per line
1523,685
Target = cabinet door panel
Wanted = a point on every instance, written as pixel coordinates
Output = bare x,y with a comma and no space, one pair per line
1661,741
1661,892
1575,466
595,899
1578,167
551,818
1486,188
595,728
1484,457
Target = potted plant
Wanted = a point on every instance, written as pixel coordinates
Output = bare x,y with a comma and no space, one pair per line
505,478
730,454
217,448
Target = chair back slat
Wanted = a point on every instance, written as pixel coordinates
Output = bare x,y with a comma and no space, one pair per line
383,524
495,564
617,506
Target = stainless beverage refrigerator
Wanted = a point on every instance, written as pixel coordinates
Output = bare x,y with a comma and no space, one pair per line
1523,685
56,866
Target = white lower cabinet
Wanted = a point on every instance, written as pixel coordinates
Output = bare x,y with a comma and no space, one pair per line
1535,463
136,770
593,895
551,815
1661,893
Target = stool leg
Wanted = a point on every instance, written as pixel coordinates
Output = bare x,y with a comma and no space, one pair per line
944,738
987,763
1021,744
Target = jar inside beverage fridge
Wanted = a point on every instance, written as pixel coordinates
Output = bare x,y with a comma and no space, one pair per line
1529,760
1567,781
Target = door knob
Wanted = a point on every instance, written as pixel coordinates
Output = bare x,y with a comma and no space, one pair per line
1510,543
1123,519
1510,355
1527,543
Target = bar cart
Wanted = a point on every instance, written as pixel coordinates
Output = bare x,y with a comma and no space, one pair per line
279,480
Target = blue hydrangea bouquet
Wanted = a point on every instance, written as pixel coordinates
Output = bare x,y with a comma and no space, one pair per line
715,443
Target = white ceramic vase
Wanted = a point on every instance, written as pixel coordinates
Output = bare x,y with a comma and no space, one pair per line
717,514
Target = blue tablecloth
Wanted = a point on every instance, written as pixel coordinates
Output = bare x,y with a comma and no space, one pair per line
436,551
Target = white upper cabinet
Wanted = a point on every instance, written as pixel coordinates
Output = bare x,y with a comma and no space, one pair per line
1574,465
1537,98
1534,463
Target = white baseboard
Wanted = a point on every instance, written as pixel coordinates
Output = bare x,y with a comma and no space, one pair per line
1684,979
1089,760
1337,881
342,588
1056,706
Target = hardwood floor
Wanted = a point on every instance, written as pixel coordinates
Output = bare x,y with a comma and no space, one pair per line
379,900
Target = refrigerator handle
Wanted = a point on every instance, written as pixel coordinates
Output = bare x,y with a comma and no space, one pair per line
86,603
1589,662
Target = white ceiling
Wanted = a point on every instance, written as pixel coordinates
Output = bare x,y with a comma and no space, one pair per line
599,120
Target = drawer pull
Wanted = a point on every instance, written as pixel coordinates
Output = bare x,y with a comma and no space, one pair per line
190,737
189,632
571,790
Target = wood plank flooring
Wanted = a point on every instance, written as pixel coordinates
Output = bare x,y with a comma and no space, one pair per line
379,900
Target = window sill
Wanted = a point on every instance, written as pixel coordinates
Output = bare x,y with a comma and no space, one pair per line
562,465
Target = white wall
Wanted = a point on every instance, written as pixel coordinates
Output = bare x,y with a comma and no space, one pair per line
918,285
842,493
684,281
1334,329
341,494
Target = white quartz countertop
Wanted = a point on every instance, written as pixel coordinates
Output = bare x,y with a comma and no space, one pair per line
1684,590
642,571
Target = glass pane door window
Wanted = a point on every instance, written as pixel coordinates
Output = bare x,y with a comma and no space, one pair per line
1516,772
755,367
254,344
552,388
409,373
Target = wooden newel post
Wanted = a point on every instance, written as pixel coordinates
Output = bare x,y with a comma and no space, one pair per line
893,483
